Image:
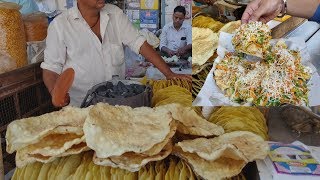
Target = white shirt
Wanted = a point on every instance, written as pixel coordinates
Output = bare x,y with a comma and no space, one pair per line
71,43
171,38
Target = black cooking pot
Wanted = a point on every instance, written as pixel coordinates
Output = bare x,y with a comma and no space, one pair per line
119,92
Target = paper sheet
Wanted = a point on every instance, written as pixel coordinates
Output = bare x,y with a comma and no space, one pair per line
265,167
211,95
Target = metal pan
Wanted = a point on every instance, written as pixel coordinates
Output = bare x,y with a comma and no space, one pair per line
238,2
213,12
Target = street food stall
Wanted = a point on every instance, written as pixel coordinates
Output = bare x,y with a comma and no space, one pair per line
144,126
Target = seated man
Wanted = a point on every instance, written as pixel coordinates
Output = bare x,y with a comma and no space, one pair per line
176,36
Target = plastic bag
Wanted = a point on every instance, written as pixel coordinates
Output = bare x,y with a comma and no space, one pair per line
152,39
35,51
36,26
28,6
12,35
6,63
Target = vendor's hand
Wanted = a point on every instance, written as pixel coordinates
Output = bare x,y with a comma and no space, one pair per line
171,53
179,76
66,100
262,10
181,51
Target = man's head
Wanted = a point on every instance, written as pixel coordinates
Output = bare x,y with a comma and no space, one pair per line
92,4
178,16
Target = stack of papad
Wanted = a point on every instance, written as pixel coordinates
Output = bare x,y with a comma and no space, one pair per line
221,157
204,44
48,136
190,123
172,94
230,27
207,22
129,138
241,119
161,84
199,76
81,166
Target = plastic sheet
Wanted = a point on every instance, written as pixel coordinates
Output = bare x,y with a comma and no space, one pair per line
36,26
6,63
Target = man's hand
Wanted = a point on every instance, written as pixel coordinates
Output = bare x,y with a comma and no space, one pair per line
182,51
179,76
61,104
171,53
262,10
60,87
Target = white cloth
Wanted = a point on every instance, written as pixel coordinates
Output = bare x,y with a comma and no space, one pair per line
171,38
71,43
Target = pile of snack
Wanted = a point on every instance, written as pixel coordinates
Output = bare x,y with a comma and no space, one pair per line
169,141
278,79
207,22
240,119
161,84
205,38
120,137
199,77
81,166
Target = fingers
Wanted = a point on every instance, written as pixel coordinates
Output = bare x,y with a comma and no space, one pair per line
260,10
65,102
268,18
251,8
186,77
181,76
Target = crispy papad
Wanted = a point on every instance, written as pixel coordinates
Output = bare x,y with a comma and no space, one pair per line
25,157
115,130
230,27
132,161
156,149
189,122
217,169
204,44
24,132
244,144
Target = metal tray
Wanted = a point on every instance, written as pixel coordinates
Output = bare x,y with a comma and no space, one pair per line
213,12
238,2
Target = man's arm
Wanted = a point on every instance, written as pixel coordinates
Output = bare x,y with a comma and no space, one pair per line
54,57
305,9
152,56
266,10
168,51
49,79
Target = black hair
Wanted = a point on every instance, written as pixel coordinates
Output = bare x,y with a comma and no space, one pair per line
180,9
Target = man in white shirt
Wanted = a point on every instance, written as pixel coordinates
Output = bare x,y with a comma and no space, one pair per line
89,38
176,36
